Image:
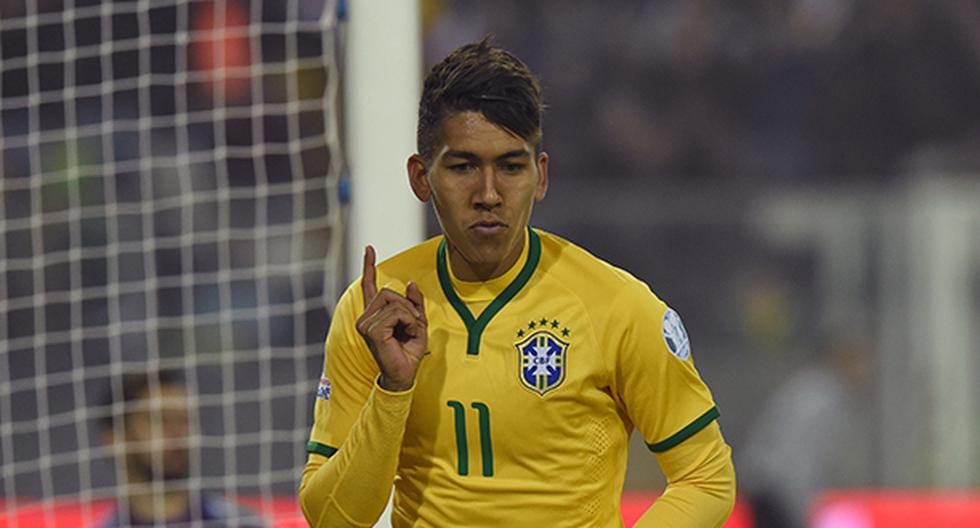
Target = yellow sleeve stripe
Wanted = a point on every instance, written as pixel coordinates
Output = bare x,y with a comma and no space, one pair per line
320,449
700,423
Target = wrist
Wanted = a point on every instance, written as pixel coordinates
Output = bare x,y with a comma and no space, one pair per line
391,385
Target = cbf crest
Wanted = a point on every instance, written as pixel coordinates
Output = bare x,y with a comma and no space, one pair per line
542,355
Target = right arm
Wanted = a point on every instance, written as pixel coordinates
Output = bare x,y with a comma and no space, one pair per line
360,423
351,487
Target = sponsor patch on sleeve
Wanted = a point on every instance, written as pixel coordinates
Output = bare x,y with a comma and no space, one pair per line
323,390
676,336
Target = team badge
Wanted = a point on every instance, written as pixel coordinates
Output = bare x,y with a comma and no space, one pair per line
324,388
676,336
542,356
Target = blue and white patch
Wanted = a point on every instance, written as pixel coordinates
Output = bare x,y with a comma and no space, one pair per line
323,390
676,336
542,361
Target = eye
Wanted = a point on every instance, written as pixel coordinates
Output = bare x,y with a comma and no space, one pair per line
512,168
461,167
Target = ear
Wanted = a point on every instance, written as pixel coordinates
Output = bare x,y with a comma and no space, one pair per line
418,178
542,188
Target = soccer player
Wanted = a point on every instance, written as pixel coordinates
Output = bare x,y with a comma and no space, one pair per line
494,373
149,438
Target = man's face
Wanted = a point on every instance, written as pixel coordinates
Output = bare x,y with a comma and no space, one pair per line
156,433
483,182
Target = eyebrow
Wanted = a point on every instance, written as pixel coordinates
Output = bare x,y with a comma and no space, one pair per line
518,153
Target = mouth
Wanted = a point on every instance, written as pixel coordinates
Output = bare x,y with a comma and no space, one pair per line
488,227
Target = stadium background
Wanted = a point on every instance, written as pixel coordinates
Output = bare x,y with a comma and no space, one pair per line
782,173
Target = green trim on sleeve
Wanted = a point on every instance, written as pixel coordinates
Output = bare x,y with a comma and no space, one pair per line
320,449
475,326
686,432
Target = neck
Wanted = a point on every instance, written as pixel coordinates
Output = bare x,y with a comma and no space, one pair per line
145,504
471,271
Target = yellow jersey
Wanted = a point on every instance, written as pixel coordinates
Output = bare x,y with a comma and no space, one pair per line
522,410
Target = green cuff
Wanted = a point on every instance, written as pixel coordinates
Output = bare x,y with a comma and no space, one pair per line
320,449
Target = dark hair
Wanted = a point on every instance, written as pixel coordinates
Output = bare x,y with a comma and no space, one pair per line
480,77
135,386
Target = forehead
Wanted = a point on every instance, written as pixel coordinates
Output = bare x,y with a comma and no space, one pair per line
168,397
472,132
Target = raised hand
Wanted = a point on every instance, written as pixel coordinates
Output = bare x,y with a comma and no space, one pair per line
394,327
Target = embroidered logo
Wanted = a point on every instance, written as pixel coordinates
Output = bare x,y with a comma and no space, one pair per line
542,355
323,390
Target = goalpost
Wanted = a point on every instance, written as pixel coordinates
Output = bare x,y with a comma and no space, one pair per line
172,198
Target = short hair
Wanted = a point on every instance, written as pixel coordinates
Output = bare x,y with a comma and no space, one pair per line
483,78
135,386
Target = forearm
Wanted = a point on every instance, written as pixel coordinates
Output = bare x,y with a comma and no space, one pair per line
351,488
701,489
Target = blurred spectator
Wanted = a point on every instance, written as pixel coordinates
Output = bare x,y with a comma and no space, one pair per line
807,436
149,439
752,92
903,75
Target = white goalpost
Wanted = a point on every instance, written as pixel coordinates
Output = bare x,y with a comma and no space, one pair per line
171,181
383,79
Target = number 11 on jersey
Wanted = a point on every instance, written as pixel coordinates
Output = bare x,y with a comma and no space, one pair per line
462,451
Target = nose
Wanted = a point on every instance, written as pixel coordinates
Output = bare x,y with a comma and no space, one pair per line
176,431
176,426
487,196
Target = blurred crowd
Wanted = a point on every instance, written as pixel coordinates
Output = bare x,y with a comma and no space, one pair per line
670,121
751,91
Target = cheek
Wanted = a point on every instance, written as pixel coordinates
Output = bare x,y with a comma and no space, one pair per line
448,203
528,193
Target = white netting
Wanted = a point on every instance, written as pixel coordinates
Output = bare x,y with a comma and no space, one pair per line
170,200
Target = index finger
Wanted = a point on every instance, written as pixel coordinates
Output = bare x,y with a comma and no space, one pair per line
369,281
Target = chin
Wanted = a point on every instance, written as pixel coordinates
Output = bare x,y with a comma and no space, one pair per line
487,253
484,251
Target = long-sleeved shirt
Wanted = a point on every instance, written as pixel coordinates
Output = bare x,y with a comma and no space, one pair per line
522,411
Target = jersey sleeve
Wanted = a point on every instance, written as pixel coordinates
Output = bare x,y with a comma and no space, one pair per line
357,432
348,376
701,483
654,376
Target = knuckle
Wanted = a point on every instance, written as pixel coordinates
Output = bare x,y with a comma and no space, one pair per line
364,324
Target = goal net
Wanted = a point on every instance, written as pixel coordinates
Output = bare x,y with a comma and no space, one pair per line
170,201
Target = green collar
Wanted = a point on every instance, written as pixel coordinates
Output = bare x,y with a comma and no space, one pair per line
475,326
